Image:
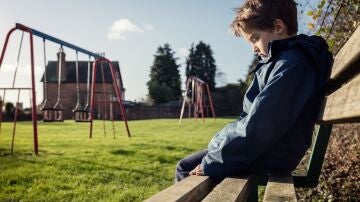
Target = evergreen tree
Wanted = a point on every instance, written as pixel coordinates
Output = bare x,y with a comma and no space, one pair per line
201,63
164,84
9,109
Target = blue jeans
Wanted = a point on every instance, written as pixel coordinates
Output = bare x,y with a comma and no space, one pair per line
187,164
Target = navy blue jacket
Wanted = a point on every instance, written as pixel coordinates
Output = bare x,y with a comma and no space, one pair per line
279,111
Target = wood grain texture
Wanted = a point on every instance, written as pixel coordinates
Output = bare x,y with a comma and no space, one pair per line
231,189
344,104
349,53
192,188
280,189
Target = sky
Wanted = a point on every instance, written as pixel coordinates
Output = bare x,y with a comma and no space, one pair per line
128,31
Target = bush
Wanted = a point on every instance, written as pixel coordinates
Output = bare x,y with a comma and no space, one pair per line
228,100
340,176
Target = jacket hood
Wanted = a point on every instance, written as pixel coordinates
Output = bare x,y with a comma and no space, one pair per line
314,47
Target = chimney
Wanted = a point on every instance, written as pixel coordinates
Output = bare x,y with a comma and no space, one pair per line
63,65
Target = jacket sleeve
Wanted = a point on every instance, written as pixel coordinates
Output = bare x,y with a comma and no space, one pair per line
273,112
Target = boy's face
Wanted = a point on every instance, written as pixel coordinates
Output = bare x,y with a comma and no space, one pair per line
259,40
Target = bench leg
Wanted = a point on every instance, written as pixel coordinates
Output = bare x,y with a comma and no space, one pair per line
253,195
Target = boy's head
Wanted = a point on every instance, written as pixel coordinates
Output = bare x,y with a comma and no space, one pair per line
268,20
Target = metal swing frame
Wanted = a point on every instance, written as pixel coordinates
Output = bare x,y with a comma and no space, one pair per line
18,89
32,33
33,97
116,88
199,89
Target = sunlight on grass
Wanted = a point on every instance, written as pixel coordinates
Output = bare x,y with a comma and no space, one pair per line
72,167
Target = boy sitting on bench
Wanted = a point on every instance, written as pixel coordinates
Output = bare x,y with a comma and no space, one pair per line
274,130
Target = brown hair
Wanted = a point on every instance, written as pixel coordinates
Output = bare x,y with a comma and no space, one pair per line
261,14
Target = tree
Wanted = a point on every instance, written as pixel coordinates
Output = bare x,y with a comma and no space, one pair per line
164,84
228,99
9,109
201,63
335,20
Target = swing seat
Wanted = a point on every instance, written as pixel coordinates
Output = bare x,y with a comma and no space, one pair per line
46,109
78,108
82,115
45,105
53,119
57,108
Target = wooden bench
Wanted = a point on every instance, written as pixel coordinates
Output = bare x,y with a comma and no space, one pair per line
341,105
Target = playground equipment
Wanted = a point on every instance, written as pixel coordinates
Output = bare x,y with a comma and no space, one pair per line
57,109
46,107
81,113
196,98
115,87
18,94
85,112
105,96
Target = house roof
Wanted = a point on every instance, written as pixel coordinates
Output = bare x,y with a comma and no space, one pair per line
70,77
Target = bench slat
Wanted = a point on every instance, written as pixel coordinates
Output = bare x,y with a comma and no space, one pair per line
192,188
280,189
231,189
349,54
344,104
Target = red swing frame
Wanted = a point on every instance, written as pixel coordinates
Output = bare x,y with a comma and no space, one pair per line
32,66
201,88
116,89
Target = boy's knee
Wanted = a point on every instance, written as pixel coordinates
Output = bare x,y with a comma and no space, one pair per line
180,172
179,166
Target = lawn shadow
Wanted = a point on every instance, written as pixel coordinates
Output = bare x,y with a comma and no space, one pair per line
122,152
16,153
163,147
4,152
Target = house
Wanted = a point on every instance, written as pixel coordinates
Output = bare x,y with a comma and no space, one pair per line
66,93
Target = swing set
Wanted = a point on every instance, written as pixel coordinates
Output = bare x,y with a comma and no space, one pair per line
50,112
196,98
81,113
55,112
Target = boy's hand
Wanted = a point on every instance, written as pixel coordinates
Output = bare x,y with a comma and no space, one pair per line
197,171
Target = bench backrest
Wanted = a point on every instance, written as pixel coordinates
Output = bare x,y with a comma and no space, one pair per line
341,105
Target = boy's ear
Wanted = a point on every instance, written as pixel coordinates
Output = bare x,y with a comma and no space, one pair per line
279,27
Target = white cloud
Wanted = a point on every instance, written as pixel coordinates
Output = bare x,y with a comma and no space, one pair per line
149,27
120,27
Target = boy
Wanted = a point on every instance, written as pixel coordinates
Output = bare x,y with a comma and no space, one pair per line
281,105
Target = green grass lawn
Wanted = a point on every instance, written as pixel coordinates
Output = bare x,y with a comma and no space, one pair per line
72,167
